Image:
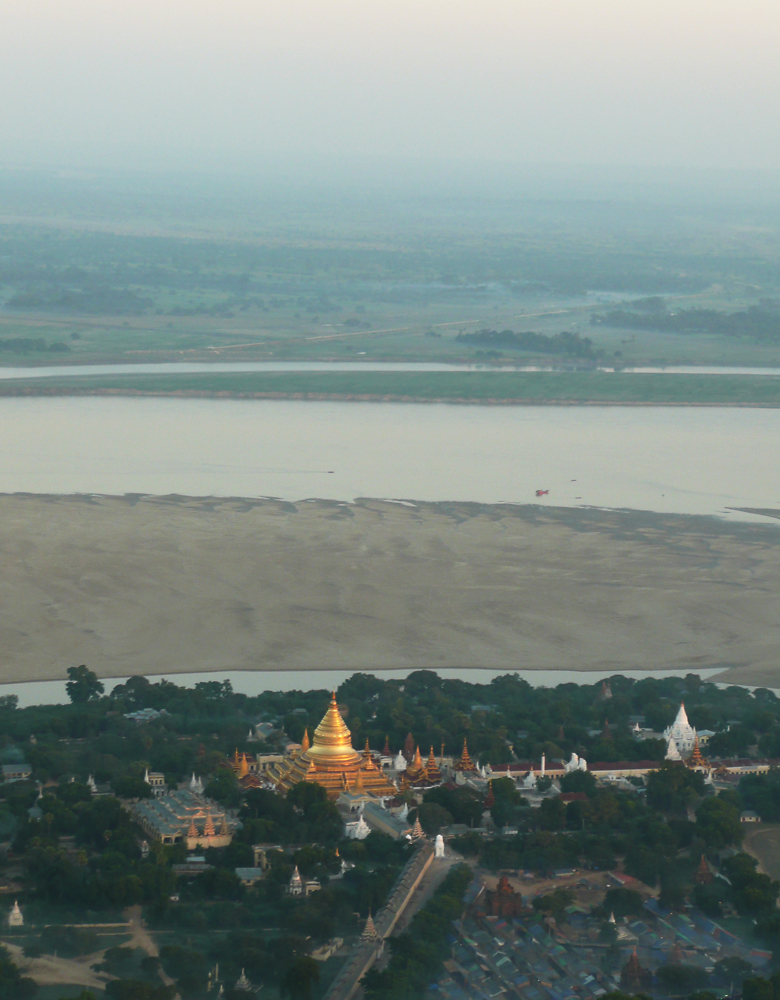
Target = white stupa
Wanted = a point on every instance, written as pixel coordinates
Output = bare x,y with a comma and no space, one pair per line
295,887
530,780
399,764
360,830
15,918
242,983
672,753
682,732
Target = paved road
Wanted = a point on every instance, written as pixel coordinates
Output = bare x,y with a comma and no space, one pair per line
429,883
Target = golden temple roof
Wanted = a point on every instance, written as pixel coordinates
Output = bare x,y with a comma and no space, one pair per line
332,761
332,740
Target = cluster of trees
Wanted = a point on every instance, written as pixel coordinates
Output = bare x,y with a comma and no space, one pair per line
304,815
761,792
93,298
31,345
569,344
504,719
760,322
660,845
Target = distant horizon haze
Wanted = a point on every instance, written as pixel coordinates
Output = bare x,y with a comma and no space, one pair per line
173,85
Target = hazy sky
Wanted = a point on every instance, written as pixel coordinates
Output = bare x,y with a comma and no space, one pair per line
230,83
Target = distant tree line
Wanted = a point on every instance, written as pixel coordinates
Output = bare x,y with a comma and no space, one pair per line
571,344
30,345
102,299
761,322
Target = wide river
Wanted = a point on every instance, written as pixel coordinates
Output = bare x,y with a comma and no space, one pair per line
675,459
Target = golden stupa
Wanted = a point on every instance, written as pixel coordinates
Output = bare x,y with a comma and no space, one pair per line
332,761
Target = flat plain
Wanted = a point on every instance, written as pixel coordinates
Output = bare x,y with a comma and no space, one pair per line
482,387
148,585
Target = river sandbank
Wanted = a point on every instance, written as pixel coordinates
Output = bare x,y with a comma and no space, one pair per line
153,585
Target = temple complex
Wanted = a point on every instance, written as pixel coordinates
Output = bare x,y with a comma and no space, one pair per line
331,761
183,817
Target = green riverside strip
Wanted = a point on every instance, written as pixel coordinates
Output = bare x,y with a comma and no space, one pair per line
480,387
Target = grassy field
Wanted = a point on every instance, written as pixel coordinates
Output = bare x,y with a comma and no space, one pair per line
477,387
138,274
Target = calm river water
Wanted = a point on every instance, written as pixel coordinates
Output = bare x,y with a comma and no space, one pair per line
676,459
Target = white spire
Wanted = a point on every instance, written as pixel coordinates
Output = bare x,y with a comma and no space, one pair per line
361,830
146,776
672,753
682,718
15,918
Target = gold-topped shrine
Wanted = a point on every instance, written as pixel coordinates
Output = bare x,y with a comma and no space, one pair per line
419,775
332,761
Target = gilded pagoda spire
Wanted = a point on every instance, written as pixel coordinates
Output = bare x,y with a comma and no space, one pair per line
464,764
369,931
305,742
331,761
332,739
703,875
696,759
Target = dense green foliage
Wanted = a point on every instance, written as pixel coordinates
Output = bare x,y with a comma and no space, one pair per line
761,792
569,344
509,386
761,322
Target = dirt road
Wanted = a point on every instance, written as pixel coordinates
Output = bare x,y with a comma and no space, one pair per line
50,971
763,841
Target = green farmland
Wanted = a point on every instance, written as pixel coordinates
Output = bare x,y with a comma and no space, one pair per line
532,388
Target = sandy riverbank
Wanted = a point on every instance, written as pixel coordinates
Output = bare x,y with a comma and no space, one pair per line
171,584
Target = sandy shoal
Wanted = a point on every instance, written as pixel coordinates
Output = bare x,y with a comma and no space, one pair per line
132,585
